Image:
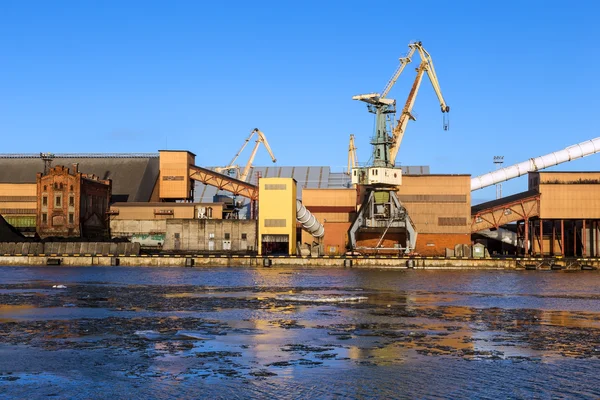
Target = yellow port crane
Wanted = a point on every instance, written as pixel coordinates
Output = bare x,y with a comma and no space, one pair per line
352,158
261,138
426,66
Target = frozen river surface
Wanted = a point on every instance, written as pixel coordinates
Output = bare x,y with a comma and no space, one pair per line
117,332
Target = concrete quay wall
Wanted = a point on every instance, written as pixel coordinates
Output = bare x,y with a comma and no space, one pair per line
303,262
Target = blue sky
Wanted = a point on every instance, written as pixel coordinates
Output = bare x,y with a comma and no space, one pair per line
521,78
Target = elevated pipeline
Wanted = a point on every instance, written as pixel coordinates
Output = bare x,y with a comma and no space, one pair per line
535,164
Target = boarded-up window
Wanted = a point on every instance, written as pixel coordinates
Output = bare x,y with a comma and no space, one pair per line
433,198
275,186
452,221
274,223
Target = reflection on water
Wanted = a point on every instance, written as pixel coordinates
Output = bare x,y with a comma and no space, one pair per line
297,332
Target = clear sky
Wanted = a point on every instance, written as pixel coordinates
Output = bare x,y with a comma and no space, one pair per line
521,78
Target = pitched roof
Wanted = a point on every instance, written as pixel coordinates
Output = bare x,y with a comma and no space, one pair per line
133,177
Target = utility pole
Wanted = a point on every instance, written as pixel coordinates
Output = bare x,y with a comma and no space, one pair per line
498,160
47,158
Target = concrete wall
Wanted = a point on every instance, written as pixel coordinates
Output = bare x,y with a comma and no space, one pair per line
127,228
60,248
297,262
210,235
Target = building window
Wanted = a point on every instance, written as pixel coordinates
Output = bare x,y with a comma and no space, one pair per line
45,188
44,218
45,200
275,186
71,219
71,188
60,186
244,236
227,236
72,201
58,201
275,223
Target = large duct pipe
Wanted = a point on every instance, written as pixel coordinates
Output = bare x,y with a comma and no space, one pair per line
501,234
308,221
535,164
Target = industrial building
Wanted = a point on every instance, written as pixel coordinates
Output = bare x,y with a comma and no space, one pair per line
72,204
168,203
558,216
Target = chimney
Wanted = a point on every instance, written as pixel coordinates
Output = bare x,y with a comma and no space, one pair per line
75,168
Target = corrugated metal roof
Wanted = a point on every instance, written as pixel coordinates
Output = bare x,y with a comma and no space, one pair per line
133,178
313,177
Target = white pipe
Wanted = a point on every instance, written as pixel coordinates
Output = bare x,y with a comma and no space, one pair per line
535,164
308,221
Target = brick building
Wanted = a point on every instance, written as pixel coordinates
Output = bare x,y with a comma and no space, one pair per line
72,204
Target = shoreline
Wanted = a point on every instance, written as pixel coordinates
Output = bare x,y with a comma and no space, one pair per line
192,261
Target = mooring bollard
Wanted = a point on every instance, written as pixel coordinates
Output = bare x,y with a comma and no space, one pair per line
266,262
347,263
410,264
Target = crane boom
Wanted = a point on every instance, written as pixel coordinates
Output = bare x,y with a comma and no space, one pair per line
403,62
426,66
432,76
398,133
261,139
231,165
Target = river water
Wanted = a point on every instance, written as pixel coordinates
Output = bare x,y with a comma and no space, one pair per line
293,333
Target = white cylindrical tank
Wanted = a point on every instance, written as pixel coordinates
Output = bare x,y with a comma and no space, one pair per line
308,221
535,164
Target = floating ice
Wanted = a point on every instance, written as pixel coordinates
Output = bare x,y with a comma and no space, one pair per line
191,335
317,298
149,335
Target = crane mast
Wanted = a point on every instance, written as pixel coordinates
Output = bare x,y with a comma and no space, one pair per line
352,158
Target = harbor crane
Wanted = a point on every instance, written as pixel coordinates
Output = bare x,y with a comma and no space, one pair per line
381,212
234,168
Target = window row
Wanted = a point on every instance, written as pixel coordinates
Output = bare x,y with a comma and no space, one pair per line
58,186
58,200
45,218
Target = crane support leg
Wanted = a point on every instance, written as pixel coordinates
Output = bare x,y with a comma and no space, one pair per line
380,213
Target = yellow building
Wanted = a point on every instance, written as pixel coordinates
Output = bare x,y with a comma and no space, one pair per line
277,216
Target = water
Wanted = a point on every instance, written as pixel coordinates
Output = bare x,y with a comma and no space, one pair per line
298,333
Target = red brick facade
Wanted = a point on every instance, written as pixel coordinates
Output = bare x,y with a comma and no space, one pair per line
72,204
